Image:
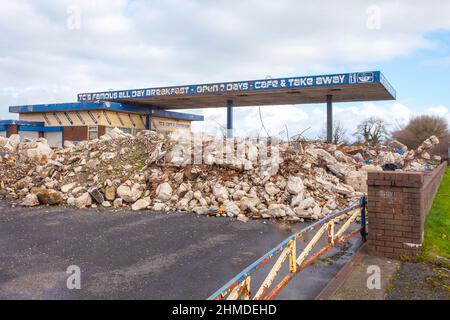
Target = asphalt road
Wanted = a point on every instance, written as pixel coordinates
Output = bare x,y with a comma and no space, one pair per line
127,255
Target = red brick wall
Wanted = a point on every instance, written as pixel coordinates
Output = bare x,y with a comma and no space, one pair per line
398,203
101,131
75,133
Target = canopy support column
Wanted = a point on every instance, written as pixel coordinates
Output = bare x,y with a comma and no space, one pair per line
329,118
148,119
229,118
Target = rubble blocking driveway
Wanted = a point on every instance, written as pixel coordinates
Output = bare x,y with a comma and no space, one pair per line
127,255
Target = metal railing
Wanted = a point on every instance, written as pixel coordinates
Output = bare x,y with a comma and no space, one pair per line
240,285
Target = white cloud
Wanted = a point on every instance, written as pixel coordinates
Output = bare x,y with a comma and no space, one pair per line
128,44
247,120
438,110
298,118
441,111
394,114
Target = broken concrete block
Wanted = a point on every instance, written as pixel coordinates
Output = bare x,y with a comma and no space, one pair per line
110,193
164,192
83,201
31,200
130,194
96,195
295,185
141,204
68,187
48,196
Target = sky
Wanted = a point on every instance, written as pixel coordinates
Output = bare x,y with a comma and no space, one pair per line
52,50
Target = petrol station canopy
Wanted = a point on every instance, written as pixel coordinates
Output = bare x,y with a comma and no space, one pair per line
344,87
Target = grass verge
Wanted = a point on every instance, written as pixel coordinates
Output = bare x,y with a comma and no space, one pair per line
437,225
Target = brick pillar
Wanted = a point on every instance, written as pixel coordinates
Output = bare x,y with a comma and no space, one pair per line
101,131
398,203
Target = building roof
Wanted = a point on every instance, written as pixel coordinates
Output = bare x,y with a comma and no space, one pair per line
22,123
103,105
345,87
28,126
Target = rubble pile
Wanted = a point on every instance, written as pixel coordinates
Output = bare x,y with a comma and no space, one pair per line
296,181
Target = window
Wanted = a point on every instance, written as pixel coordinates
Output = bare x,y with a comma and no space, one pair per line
126,130
132,131
92,132
136,131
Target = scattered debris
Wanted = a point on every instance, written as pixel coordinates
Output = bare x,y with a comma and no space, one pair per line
391,166
296,181
96,195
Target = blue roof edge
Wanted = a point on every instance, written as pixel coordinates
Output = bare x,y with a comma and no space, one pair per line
22,122
191,89
40,129
387,85
28,126
103,105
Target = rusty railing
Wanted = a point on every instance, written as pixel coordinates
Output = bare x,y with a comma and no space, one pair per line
239,286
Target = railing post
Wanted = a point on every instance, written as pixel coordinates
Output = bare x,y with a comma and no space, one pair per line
363,219
293,257
246,293
331,232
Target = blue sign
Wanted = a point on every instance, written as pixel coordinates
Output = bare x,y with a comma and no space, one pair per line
240,86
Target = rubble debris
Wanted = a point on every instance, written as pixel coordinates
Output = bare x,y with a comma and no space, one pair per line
82,201
37,150
106,204
391,166
11,143
164,192
141,204
47,196
96,195
30,200
398,146
242,218
110,193
118,203
128,193
297,181
68,187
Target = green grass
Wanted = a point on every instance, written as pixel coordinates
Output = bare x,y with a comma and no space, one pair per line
437,224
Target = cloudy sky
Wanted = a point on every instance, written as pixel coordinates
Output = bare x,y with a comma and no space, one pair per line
52,50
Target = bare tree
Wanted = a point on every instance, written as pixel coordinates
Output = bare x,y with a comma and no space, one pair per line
420,128
372,131
222,128
339,134
263,126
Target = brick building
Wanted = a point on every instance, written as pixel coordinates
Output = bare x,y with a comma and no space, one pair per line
90,120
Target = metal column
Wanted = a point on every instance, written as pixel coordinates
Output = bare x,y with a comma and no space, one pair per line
229,118
148,120
329,118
